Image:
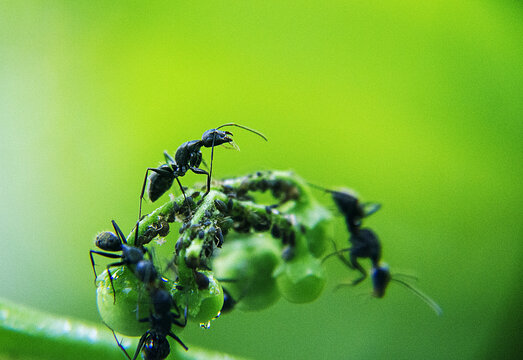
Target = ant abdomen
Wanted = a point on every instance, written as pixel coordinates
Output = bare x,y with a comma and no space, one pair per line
108,241
159,184
156,348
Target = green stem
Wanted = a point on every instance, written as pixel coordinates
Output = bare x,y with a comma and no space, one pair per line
28,334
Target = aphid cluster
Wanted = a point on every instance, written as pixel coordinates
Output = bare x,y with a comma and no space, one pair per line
275,232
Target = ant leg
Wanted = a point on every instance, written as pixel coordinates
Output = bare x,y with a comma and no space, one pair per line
106,254
120,344
141,343
343,259
184,196
198,170
209,175
169,160
171,334
340,256
172,164
136,233
111,277
175,321
357,266
336,253
339,286
205,163
203,172
142,193
181,188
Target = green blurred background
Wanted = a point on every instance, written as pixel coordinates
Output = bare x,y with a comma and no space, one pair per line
418,106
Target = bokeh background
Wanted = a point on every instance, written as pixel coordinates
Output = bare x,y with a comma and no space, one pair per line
416,105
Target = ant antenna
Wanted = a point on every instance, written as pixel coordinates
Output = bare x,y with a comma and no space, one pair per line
321,188
119,232
212,146
245,128
431,303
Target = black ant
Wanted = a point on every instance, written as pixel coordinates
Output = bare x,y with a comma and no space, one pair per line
365,244
131,256
351,208
154,342
188,156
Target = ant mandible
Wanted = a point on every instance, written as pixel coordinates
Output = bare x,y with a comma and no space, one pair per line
131,256
188,156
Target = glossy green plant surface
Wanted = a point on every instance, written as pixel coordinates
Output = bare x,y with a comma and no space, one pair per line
416,105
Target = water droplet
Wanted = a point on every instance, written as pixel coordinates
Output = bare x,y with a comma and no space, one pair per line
206,325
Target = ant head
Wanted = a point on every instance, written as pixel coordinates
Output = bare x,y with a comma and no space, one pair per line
108,241
156,347
216,137
381,277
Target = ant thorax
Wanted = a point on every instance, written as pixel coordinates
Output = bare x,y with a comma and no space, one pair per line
187,155
131,254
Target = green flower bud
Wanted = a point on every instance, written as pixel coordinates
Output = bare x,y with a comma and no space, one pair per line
130,296
317,221
248,262
301,280
203,305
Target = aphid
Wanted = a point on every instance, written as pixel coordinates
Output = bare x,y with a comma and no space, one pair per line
219,237
188,156
228,302
365,244
221,206
202,281
131,256
349,205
